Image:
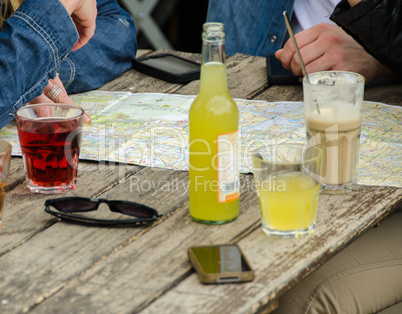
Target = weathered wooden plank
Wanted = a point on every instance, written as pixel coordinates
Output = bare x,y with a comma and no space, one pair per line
23,215
17,173
146,266
282,93
241,83
153,268
280,261
386,92
136,82
51,253
246,77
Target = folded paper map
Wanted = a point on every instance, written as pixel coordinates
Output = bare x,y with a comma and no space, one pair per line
152,130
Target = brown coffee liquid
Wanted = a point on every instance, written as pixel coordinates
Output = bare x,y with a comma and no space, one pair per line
340,142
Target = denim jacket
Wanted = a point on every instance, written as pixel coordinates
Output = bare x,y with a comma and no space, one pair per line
35,46
109,53
252,27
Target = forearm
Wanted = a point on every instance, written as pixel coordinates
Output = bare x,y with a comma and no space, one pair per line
33,43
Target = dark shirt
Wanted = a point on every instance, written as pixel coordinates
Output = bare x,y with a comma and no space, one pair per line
377,26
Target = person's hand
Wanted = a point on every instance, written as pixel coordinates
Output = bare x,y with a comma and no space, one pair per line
83,13
61,97
328,47
353,2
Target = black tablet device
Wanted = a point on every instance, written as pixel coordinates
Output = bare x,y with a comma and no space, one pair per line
168,67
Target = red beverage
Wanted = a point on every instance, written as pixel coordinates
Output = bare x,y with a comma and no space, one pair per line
50,148
51,159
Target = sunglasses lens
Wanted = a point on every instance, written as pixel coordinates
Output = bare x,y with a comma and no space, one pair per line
73,205
132,209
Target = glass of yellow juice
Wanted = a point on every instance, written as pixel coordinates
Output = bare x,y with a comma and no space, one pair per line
286,177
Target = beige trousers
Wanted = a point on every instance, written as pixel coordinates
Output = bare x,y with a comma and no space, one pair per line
365,277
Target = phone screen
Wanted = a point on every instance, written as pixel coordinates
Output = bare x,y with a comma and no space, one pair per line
220,259
171,64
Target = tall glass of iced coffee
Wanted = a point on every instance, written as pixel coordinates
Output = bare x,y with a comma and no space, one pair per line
333,102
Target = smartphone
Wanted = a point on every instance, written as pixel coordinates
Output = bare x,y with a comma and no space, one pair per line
168,67
220,264
278,75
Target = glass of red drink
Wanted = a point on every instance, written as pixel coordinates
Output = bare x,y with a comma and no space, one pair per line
50,138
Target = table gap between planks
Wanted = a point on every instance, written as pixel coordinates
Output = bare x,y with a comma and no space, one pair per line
50,266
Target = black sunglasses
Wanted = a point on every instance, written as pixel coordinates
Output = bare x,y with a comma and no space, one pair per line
68,205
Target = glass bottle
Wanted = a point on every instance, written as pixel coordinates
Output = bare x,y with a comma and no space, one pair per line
213,127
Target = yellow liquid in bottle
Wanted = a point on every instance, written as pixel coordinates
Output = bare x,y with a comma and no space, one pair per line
213,115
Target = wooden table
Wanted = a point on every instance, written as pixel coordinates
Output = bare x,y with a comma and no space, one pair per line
50,266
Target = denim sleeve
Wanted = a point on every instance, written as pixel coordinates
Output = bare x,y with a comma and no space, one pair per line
32,45
253,27
108,54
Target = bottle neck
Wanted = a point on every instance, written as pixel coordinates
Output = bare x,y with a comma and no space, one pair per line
213,68
213,50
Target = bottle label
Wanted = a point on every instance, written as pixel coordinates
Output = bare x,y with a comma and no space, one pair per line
227,163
